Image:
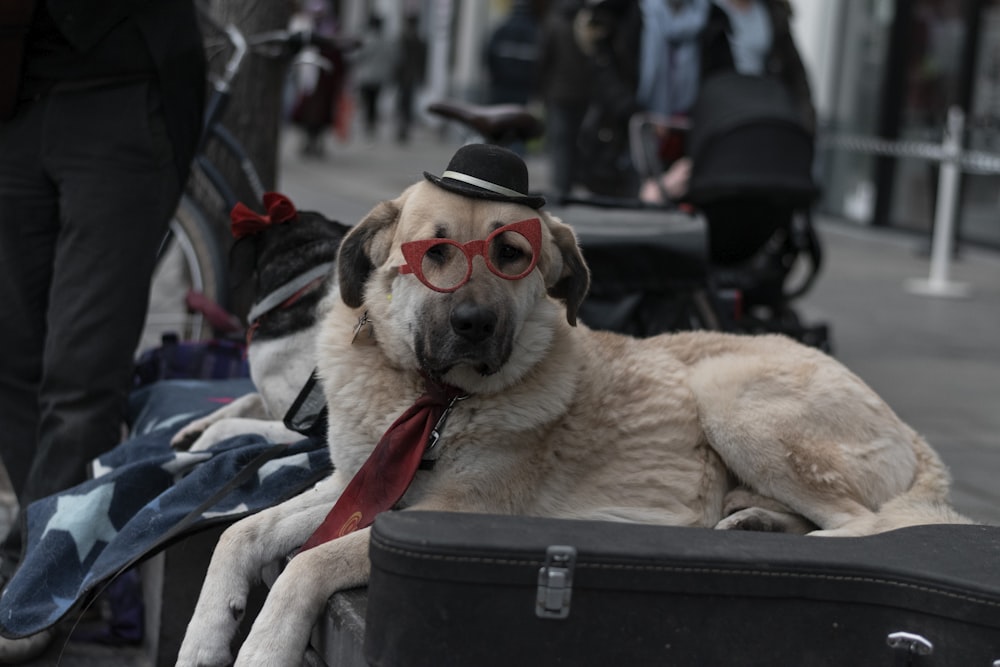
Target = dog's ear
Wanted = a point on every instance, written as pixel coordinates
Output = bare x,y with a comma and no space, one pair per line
365,247
568,279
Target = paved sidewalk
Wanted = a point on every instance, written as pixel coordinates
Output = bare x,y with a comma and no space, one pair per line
936,361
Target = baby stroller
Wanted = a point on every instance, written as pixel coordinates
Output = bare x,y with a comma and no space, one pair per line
751,179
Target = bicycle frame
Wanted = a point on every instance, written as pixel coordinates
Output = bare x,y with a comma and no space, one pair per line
194,239
215,130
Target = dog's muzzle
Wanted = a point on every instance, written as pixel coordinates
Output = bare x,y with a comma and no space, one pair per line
468,332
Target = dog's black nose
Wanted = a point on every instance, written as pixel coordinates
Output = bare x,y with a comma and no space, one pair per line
473,322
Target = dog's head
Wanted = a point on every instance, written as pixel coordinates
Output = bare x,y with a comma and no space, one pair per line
286,251
482,334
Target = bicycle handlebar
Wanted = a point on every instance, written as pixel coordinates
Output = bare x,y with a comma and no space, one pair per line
288,43
275,43
293,42
240,49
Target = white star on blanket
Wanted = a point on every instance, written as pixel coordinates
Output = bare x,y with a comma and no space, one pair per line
85,518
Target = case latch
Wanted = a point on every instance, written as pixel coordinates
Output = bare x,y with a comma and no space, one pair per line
555,582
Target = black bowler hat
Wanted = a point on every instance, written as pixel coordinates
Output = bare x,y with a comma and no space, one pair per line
485,171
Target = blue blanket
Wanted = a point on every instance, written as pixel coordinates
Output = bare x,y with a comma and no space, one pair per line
79,540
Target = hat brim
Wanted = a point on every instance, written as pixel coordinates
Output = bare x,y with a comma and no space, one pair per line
469,190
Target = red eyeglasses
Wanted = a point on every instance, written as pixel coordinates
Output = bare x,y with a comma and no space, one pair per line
444,265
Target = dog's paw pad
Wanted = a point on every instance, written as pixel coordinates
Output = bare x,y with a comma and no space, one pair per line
184,439
751,518
766,521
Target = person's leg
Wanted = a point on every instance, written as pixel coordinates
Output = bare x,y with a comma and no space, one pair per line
28,231
108,151
404,112
374,109
368,100
562,130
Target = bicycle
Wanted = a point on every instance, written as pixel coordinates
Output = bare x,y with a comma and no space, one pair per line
189,290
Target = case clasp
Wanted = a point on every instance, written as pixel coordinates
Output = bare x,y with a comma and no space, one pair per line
555,582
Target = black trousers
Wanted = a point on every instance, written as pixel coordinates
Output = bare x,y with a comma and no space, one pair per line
369,106
87,187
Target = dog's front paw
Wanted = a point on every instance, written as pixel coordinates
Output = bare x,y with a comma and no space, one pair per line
215,432
207,658
202,651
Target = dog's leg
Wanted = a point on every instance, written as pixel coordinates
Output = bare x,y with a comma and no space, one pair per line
273,430
281,632
248,405
243,550
809,436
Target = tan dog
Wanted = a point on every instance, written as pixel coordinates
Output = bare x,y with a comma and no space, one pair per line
692,429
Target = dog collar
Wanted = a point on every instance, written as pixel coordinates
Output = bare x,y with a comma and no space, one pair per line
289,292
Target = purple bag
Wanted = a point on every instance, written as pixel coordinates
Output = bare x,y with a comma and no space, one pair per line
216,359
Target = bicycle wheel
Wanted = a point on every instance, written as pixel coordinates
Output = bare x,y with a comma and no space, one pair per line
189,259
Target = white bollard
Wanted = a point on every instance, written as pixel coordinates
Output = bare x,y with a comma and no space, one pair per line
938,284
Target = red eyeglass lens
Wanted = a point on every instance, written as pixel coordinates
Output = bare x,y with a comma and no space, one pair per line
445,265
509,254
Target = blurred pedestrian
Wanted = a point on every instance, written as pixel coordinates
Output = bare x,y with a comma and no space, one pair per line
565,83
754,37
669,67
751,38
512,56
411,66
93,157
374,66
318,80
669,73
608,32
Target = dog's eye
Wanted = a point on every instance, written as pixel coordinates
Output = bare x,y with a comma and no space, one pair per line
509,260
438,254
509,253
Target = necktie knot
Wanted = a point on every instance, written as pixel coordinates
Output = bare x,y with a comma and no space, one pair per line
386,474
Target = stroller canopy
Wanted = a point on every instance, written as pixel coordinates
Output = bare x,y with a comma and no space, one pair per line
747,139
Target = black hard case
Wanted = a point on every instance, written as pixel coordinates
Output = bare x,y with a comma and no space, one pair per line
465,589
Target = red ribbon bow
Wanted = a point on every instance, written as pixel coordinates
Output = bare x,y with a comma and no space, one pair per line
246,221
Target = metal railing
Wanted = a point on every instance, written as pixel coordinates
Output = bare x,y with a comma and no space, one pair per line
954,160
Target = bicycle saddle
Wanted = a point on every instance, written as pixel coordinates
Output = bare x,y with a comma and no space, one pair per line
498,123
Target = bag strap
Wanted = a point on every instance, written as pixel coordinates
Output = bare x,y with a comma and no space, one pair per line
308,413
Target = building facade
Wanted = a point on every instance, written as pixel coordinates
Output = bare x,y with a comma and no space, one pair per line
891,69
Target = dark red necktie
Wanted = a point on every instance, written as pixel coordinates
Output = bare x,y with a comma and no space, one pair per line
385,476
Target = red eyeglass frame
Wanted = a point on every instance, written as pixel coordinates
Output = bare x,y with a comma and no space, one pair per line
414,251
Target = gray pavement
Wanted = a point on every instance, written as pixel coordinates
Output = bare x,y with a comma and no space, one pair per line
936,361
